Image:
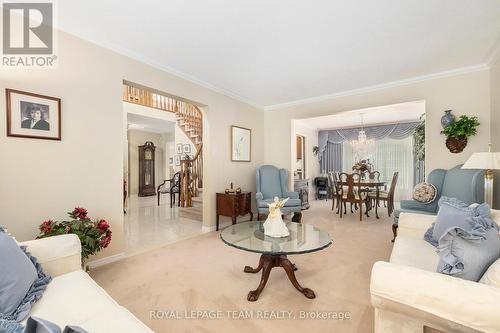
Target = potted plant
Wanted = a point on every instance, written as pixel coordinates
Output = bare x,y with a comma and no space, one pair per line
458,132
93,234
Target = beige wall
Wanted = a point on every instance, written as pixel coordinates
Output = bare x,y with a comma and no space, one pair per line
136,139
495,122
464,94
41,179
495,105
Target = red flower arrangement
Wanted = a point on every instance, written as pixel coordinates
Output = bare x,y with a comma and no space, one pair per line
94,235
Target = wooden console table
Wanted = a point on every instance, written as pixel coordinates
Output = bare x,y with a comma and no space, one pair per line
302,187
234,205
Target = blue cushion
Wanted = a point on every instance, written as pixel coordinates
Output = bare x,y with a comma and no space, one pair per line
9,326
290,203
468,256
455,213
22,281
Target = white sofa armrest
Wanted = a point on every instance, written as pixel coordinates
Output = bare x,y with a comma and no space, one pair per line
435,298
57,254
414,225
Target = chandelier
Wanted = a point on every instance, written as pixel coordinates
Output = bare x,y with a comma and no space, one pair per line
362,146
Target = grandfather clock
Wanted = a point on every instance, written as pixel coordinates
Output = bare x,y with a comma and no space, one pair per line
147,169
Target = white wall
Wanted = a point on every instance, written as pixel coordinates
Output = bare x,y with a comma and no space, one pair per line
138,138
182,139
42,179
312,164
465,94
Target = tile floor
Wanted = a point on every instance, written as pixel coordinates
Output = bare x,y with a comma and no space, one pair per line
148,226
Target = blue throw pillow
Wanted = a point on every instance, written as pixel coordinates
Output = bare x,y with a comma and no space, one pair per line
468,256
8,326
455,213
22,281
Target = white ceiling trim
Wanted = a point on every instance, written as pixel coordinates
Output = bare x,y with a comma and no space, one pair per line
382,86
495,54
145,60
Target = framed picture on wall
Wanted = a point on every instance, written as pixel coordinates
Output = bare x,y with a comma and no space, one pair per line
32,115
241,144
186,148
177,160
170,160
179,148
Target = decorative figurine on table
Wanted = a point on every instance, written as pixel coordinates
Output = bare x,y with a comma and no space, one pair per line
232,191
274,225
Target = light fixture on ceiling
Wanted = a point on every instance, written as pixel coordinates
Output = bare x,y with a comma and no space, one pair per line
362,146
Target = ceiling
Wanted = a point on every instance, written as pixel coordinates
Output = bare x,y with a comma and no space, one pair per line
147,124
270,52
388,114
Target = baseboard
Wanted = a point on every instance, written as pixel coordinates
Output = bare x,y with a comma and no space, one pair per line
205,229
106,260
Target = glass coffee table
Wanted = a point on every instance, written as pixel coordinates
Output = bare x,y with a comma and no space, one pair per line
249,236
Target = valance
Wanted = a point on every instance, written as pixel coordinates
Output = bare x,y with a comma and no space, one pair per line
392,131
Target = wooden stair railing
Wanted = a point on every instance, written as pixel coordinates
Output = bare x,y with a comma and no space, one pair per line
190,121
191,178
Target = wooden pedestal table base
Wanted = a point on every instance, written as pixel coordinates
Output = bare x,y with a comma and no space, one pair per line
268,262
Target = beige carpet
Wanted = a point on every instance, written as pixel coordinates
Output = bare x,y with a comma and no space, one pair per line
202,273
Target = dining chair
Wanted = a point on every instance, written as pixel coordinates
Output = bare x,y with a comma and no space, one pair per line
354,194
335,190
387,197
173,187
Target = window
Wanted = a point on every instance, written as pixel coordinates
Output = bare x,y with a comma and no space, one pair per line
388,157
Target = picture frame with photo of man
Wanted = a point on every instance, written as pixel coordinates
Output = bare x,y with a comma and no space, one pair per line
34,116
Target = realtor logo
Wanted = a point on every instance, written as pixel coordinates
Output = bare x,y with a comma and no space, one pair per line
28,35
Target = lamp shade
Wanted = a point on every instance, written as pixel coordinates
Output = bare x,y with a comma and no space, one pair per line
483,160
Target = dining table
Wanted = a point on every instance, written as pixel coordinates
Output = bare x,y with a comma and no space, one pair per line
371,184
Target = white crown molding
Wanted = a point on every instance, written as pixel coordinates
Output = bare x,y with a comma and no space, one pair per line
170,70
494,56
132,55
106,260
378,87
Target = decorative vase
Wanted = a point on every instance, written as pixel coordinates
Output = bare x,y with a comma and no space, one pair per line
456,145
447,119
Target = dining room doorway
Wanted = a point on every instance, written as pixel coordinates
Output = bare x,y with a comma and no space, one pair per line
386,139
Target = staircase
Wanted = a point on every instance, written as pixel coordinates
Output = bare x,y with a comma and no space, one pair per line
190,120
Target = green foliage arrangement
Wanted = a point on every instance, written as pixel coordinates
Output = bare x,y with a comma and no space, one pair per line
315,150
93,234
462,128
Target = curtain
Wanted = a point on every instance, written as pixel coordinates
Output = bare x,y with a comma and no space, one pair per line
389,156
331,159
393,131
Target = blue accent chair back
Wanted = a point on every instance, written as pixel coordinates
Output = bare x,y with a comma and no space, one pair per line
463,184
273,182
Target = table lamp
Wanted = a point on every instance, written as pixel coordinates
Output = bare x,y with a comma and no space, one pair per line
487,161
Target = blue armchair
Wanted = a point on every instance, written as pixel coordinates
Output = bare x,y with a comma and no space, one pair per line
273,182
465,185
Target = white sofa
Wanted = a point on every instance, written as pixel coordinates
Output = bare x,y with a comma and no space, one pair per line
407,293
72,297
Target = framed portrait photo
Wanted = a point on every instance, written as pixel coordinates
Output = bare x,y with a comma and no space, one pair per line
32,115
186,149
177,160
241,144
178,148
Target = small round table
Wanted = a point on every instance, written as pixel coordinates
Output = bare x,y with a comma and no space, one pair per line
249,236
